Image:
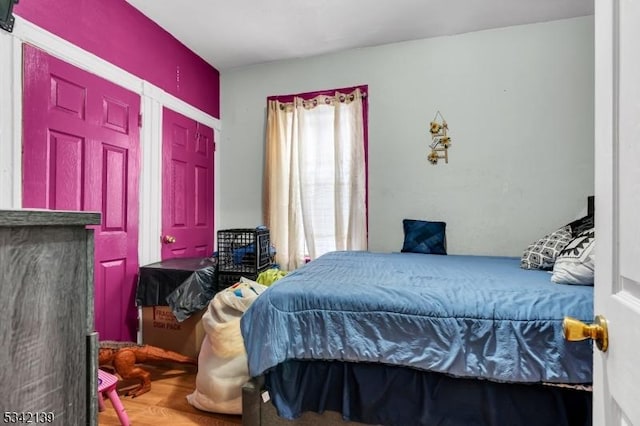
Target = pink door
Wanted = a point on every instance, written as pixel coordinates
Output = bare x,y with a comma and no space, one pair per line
80,152
187,187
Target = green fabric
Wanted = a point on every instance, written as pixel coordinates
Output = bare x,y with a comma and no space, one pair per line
269,276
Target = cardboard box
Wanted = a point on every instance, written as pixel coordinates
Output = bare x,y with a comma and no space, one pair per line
161,328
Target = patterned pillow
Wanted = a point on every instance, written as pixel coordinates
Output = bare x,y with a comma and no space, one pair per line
421,236
575,264
542,253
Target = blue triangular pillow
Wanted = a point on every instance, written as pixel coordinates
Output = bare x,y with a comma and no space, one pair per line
421,236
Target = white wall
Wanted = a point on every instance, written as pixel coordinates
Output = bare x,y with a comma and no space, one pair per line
519,103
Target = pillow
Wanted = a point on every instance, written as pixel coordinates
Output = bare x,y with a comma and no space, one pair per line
578,226
542,253
421,236
575,264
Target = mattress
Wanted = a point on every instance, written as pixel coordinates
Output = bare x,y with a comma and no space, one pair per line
466,316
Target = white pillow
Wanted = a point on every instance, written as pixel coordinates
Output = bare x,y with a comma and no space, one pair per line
575,263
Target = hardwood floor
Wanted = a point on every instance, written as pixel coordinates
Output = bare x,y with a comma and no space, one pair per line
166,403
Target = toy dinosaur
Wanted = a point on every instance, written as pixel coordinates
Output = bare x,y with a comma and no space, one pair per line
123,357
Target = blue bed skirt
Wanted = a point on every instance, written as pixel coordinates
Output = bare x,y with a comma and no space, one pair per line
393,395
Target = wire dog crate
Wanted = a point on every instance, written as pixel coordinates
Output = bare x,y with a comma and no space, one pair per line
243,250
227,279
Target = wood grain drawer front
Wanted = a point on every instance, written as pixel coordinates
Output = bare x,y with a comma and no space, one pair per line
43,321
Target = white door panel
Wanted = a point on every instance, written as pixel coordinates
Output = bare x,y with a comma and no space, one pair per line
617,281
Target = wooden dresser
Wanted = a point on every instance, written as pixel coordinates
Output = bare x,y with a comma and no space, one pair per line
48,347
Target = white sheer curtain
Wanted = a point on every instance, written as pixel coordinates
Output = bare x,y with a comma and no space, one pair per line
315,176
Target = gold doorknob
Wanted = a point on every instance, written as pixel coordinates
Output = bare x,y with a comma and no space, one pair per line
575,330
168,239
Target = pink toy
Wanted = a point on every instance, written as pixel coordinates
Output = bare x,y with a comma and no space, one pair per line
107,384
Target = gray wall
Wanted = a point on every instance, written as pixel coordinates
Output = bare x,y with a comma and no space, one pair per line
519,103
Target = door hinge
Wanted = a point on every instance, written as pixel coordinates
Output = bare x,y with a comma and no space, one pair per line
140,120
215,147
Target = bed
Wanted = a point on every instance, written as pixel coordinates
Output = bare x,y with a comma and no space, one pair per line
408,339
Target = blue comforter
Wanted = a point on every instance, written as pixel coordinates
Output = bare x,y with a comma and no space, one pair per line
467,316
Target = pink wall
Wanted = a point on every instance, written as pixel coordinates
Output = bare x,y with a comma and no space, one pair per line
120,34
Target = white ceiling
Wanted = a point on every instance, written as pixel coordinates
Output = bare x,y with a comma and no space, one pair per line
234,33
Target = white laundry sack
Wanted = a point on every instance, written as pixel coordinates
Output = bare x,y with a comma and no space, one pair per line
222,362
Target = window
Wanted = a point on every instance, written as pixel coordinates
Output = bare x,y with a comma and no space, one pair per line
315,173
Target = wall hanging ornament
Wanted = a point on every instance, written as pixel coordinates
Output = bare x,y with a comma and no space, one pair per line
440,141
